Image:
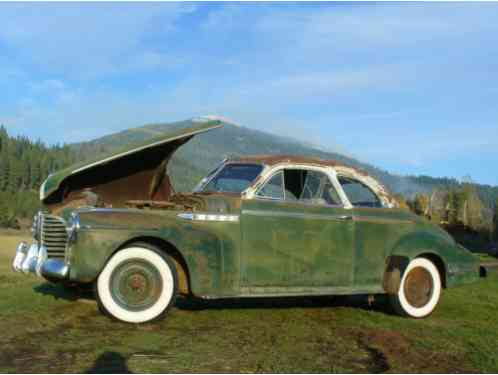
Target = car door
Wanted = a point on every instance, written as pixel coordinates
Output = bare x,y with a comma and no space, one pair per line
294,238
377,230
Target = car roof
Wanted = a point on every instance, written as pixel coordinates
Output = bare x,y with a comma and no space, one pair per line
341,168
270,160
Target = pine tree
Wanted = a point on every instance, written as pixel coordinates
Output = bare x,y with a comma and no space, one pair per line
421,204
3,172
4,211
36,175
26,171
4,137
15,175
495,221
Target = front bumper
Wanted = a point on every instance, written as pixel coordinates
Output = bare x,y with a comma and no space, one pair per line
33,259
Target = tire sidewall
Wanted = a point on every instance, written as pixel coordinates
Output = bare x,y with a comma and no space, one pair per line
166,270
426,310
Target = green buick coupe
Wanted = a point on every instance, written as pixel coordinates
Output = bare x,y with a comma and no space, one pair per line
256,226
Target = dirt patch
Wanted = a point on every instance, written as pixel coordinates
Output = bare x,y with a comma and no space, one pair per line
390,351
384,348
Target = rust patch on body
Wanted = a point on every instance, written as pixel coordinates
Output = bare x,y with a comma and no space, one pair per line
183,283
396,265
278,159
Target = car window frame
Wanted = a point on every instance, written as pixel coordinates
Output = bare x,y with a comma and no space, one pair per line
266,181
210,176
207,178
281,168
379,198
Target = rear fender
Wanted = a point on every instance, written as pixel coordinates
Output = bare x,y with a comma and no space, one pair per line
410,247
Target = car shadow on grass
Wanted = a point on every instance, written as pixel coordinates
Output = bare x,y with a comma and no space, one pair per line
378,303
109,363
65,292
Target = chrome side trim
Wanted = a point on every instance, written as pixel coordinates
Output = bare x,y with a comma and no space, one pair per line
209,217
295,215
381,220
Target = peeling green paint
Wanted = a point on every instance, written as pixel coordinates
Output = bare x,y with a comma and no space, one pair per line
275,248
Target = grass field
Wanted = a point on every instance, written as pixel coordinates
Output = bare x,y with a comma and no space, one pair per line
45,328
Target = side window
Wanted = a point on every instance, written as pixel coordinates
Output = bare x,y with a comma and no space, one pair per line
310,187
359,194
312,184
330,195
273,188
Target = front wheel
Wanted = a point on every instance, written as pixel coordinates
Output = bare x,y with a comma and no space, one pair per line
138,284
419,290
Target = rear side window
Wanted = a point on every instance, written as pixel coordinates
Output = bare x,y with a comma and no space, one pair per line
359,194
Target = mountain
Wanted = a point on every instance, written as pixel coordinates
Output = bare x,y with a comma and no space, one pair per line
204,152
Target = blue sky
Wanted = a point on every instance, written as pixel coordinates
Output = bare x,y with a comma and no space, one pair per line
411,88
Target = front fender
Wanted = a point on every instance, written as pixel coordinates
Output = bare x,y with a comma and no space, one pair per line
210,250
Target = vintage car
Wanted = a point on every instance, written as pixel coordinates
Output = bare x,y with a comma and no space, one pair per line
255,226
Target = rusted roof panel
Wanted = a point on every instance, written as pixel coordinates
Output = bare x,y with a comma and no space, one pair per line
297,159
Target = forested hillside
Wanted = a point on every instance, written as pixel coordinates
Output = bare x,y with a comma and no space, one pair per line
23,167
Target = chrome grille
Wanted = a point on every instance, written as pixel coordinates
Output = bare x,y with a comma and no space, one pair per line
54,236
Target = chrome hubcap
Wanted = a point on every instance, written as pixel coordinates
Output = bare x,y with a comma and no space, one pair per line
136,285
418,287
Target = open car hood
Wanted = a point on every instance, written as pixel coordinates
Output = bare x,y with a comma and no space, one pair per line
137,172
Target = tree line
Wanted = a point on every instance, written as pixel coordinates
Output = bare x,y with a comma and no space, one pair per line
23,167
487,194
461,211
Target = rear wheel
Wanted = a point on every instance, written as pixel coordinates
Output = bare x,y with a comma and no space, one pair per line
138,284
419,290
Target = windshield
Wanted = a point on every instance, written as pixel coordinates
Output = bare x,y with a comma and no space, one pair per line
233,178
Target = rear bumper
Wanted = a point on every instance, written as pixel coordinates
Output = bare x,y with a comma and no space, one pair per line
33,259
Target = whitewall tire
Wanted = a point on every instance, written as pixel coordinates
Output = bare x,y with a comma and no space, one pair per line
419,291
138,284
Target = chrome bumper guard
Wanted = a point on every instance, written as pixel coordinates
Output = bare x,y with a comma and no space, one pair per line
33,259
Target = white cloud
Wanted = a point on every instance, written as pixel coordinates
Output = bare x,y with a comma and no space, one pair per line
379,79
87,39
338,81
350,27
